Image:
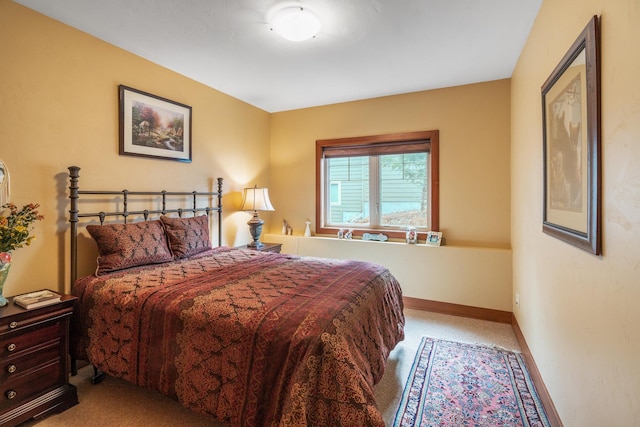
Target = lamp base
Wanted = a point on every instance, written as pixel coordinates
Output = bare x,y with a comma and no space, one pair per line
255,228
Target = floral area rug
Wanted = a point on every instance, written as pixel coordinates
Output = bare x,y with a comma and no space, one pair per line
457,384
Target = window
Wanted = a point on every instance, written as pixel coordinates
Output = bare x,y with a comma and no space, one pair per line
381,183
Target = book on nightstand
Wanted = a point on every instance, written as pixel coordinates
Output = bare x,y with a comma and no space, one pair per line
36,299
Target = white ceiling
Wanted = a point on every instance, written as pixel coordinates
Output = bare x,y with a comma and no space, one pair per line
366,48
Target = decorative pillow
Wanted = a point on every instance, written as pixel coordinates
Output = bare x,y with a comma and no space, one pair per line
187,236
129,245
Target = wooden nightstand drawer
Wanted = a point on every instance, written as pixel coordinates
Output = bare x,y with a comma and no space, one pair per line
14,393
13,368
24,340
15,318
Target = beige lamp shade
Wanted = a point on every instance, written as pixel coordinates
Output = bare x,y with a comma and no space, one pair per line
256,199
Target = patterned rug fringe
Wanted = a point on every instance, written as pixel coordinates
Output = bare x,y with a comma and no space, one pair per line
462,384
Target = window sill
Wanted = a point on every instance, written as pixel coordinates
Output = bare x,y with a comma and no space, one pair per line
393,235
289,240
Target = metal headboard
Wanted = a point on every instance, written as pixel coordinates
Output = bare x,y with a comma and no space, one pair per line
75,215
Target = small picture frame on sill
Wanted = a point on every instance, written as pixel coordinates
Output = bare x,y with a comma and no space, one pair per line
434,238
411,236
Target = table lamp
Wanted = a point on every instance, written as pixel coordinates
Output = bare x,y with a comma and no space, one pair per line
256,199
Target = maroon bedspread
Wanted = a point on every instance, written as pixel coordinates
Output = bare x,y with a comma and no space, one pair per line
247,337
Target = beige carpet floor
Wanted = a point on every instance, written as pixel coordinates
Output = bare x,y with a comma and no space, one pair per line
117,403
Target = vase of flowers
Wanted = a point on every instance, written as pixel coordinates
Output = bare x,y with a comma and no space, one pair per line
15,232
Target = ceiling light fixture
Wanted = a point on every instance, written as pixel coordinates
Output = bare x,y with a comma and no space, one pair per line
295,23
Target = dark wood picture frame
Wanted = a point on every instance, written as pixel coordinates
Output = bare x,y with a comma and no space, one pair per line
152,126
571,148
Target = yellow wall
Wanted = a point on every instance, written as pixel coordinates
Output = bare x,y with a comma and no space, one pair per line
474,130
473,121
59,107
578,312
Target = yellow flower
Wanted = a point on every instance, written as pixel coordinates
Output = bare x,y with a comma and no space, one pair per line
14,228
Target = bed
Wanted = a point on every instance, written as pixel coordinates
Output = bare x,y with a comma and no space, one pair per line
249,338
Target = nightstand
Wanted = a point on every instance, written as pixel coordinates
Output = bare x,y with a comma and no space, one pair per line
268,247
34,366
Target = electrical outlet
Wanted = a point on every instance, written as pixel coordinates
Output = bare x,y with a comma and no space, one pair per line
518,299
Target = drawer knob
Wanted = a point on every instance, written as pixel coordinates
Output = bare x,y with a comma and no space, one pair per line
11,394
13,325
11,369
11,347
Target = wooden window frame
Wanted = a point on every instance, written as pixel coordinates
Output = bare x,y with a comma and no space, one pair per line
380,144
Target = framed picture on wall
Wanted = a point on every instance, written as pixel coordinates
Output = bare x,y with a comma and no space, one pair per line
151,126
571,145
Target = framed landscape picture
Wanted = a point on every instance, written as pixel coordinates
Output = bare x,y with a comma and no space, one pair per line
151,126
571,136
